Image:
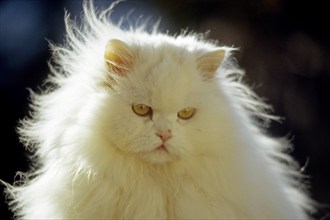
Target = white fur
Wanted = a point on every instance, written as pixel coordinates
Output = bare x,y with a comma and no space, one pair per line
94,157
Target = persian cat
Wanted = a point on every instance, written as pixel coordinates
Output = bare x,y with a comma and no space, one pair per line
142,125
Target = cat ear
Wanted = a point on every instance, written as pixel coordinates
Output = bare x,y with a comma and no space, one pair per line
209,62
119,57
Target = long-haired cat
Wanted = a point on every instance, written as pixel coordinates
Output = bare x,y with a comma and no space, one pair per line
142,125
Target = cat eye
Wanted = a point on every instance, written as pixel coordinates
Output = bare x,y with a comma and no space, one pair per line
186,113
141,109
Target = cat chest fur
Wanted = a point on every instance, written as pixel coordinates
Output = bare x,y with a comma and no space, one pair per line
148,193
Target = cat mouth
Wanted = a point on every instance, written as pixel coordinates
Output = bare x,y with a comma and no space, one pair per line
162,148
161,154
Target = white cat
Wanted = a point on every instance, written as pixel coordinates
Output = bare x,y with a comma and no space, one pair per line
149,126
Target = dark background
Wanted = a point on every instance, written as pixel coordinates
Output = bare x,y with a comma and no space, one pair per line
284,48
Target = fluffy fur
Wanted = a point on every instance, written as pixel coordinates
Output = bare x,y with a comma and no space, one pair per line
95,158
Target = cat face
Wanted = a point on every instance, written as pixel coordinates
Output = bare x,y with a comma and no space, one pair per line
160,102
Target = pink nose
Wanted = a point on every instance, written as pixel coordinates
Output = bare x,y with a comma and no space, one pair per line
164,135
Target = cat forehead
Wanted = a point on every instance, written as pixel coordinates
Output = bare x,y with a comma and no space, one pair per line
156,54
163,73
164,77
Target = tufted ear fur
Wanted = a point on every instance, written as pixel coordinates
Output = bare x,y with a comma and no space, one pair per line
209,62
119,57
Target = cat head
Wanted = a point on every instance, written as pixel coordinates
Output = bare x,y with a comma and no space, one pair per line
163,100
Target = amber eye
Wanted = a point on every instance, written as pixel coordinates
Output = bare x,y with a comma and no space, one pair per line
186,113
141,109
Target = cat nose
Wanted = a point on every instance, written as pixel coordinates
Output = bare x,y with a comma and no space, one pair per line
164,135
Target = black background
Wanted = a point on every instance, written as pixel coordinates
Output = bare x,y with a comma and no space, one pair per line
284,48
